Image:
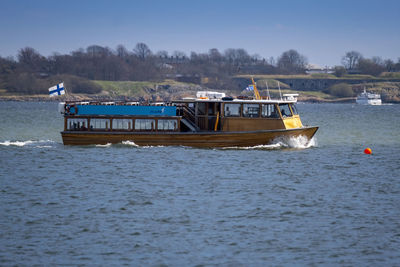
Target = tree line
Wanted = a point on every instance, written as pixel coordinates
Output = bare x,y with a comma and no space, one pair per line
354,62
32,73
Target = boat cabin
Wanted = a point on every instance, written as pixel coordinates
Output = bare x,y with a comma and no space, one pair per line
238,115
187,115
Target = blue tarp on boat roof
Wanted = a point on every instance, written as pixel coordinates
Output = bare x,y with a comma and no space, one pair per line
125,110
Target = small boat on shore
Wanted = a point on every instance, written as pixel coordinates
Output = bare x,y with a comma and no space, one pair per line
209,120
366,98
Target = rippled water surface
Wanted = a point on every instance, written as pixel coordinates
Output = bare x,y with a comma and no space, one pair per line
328,204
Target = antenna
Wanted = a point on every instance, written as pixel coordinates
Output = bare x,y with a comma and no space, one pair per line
280,93
67,95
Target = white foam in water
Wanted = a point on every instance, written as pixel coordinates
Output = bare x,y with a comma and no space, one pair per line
106,145
299,142
15,143
272,146
40,143
129,143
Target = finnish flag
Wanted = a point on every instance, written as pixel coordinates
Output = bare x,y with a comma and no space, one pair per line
250,88
57,90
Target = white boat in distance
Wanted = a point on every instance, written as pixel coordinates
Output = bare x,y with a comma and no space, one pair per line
366,98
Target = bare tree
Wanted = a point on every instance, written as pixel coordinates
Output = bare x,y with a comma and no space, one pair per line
350,59
292,62
271,61
96,51
142,51
122,52
256,58
378,60
390,65
31,60
237,56
368,66
215,55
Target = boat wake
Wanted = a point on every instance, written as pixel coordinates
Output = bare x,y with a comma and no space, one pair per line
106,145
299,142
129,143
133,144
31,143
125,144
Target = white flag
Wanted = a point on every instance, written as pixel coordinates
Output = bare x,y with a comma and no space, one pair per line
57,90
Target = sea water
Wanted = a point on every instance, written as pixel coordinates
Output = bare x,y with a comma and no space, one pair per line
293,203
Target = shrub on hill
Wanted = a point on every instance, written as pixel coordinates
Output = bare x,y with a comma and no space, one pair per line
340,71
390,75
31,84
25,83
341,90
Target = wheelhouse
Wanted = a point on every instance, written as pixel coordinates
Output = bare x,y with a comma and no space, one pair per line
239,115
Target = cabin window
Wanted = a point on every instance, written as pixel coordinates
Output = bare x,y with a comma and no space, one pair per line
167,125
232,110
211,107
294,109
144,124
102,124
77,124
251,110
269,111
285,111
122,124
201,108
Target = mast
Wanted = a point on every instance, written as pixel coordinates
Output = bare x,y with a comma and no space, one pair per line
256,93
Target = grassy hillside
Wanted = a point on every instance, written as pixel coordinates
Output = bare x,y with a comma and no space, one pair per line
170,89
385,75
124,88
166,89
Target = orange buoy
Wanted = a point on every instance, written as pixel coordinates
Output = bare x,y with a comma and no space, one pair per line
368,151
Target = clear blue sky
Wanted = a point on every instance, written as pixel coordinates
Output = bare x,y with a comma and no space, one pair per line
321,30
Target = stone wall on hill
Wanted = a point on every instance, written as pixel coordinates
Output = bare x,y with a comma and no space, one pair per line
304,84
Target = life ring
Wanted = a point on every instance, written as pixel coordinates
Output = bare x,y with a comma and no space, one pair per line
68,109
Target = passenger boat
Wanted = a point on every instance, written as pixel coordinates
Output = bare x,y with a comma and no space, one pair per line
209,120
366,98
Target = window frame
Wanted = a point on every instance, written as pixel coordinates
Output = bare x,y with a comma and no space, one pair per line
229,105
249,107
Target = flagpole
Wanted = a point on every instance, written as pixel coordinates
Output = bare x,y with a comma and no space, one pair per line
66,92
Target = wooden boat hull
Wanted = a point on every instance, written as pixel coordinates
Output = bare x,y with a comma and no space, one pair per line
192,139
